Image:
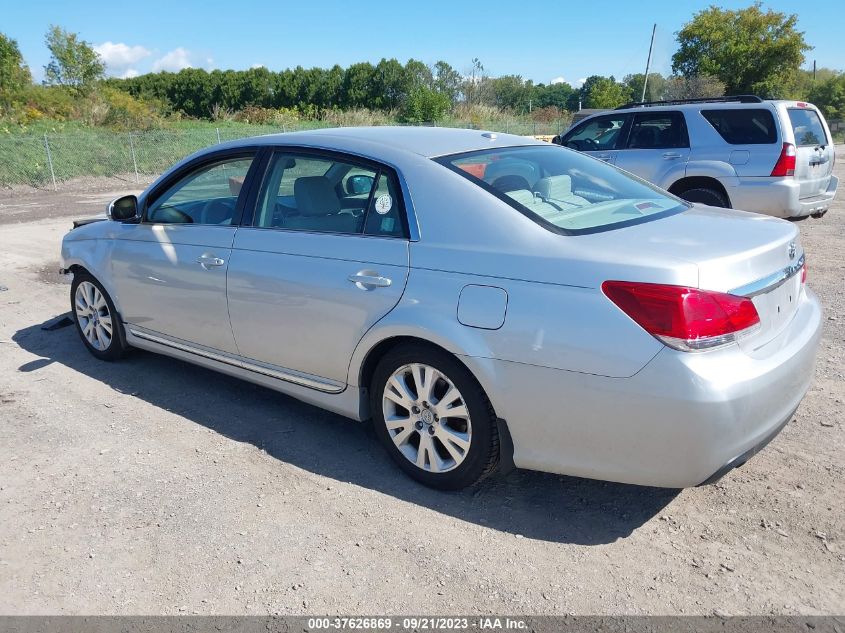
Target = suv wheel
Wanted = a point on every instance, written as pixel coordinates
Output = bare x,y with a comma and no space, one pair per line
433,418
704,195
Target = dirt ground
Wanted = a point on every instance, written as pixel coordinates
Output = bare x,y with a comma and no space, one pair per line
151,486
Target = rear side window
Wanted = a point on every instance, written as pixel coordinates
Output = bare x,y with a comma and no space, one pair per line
807,127
743,126
658,130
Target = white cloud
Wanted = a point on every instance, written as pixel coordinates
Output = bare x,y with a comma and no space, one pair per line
558,80
175,60
120,55
129,72
579,82
257,66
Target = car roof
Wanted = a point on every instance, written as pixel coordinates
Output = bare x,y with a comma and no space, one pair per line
423,141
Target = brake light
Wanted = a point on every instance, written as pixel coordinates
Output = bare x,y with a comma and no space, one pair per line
786,161
804,272
687,319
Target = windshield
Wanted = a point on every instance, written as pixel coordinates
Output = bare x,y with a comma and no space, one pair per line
563,190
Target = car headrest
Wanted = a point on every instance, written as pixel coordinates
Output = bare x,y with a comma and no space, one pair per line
315,195
556,187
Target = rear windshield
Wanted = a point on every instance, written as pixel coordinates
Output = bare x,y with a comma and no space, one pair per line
807,127
743,126
563,190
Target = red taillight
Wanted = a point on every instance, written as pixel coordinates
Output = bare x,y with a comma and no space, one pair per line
804,272
684,318
786,161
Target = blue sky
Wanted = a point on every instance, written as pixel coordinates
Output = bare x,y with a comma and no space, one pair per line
541,40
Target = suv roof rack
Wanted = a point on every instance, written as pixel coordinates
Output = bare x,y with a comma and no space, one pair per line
731,99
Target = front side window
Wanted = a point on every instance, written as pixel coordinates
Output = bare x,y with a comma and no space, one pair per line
807,127
743,126
323,194
208,195
658,130
601,133
562,190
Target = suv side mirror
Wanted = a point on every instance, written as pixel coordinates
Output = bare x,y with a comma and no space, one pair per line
359,184
123,209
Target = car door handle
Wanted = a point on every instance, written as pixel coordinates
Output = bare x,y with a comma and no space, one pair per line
210,261
671,155
367,280
604,156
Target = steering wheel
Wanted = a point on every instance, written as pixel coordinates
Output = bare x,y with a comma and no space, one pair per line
591,144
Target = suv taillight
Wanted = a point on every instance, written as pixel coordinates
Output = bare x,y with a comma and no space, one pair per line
686,319
786,161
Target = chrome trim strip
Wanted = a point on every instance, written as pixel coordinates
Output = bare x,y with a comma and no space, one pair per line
296,379
769,283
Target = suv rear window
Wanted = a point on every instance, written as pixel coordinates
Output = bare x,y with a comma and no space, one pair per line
746,126
807,127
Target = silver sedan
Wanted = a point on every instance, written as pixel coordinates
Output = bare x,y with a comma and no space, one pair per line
486,300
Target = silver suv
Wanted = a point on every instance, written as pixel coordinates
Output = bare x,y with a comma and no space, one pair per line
773,157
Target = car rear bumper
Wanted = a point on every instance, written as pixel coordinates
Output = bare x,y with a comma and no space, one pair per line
777,197
682,420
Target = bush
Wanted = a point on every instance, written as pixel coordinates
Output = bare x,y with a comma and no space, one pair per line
425,105
256,115
357,117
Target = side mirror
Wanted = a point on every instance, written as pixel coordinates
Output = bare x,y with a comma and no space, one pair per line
123,209
359,184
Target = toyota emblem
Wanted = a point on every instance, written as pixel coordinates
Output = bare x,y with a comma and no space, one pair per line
791,250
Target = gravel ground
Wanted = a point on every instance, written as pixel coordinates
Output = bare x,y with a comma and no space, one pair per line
151,486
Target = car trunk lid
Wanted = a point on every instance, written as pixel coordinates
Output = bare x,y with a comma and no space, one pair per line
735,252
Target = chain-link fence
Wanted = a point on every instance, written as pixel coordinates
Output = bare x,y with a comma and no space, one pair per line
50,161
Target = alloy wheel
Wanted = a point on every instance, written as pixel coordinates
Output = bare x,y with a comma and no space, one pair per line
427,418
93,315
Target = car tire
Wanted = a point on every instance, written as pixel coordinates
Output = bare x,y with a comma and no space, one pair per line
96,319
706,196
445,436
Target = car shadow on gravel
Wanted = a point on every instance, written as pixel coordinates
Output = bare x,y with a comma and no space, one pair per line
530,504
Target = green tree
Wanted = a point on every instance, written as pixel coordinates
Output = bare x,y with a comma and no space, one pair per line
654,89
603,92
829,96
425,105
553,95
749,50
511,92
446,80
356,85
694,87
14,73
73,62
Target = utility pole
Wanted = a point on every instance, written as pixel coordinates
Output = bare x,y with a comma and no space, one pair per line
648,61
814,71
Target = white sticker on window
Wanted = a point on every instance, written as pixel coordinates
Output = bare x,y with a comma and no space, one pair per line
384,203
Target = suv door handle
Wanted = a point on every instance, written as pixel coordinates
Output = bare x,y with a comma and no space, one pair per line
368,280
604,156
671,155
210,261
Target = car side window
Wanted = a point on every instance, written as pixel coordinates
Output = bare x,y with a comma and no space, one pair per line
658,130
600,133
207,195
313,193
324,194
385,215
